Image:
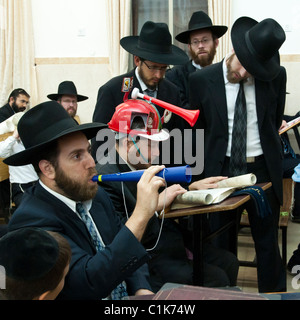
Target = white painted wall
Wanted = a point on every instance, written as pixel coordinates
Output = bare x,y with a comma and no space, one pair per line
77,28
70,28
285,12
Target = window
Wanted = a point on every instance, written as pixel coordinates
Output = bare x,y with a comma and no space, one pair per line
175,13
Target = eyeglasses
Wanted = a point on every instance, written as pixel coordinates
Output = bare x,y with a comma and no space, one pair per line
205,42
68,101
155,68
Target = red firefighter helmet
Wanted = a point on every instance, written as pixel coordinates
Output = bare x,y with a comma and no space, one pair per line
138,117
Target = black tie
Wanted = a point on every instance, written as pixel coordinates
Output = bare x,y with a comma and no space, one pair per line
238,162
150,93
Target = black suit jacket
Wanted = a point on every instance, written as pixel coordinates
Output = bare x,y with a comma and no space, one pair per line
168,261
6,112
92,275
110,95
207,92
179,75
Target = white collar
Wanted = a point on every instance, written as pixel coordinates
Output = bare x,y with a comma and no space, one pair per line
142,84
197,66
69,202
249,81
225,70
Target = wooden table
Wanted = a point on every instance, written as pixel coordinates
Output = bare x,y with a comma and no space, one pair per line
231,204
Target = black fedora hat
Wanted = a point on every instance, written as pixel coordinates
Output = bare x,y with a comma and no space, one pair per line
67,88
154,44
256,45
28,253
200,20
43,124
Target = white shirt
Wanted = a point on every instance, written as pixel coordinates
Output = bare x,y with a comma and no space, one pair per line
142,84
197,66
72,205
20,174
253,140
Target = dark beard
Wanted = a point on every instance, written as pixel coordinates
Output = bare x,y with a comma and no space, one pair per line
77,191
16,108
149,86
230,74
204,61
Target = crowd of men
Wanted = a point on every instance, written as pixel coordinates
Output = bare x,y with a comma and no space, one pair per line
117,244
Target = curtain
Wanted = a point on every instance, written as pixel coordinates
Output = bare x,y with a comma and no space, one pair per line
118,24
17,66
220,14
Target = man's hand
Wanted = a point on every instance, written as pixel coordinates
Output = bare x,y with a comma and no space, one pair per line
16,134
147,201
142,292
283,125
207,183
167,196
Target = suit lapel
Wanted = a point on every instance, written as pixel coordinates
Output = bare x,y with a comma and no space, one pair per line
261,101
216,84
64,213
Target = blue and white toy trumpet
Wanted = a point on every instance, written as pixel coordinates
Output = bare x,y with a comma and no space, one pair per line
182,174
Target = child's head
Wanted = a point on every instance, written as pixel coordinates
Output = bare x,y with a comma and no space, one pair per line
35,263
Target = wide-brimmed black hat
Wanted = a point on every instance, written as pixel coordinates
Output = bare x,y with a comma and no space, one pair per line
154,44
256,46
200,20
43,124
66,88
28,254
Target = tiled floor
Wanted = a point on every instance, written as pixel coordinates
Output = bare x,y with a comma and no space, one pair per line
247,278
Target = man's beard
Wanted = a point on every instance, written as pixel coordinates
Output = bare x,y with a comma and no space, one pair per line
204,60
76,190
16,108
149,86
231,75
71,112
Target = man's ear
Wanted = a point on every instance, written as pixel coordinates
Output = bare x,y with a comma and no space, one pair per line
47,169
11,100
44,296
217,43
136,60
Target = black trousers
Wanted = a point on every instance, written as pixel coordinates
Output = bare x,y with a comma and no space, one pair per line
270,270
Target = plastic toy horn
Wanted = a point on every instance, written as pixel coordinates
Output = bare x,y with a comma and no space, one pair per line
191,116
181,174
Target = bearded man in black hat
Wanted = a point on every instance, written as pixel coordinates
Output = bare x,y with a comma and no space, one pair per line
202,38
68,97
153,53
18,101
108,260
241,102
